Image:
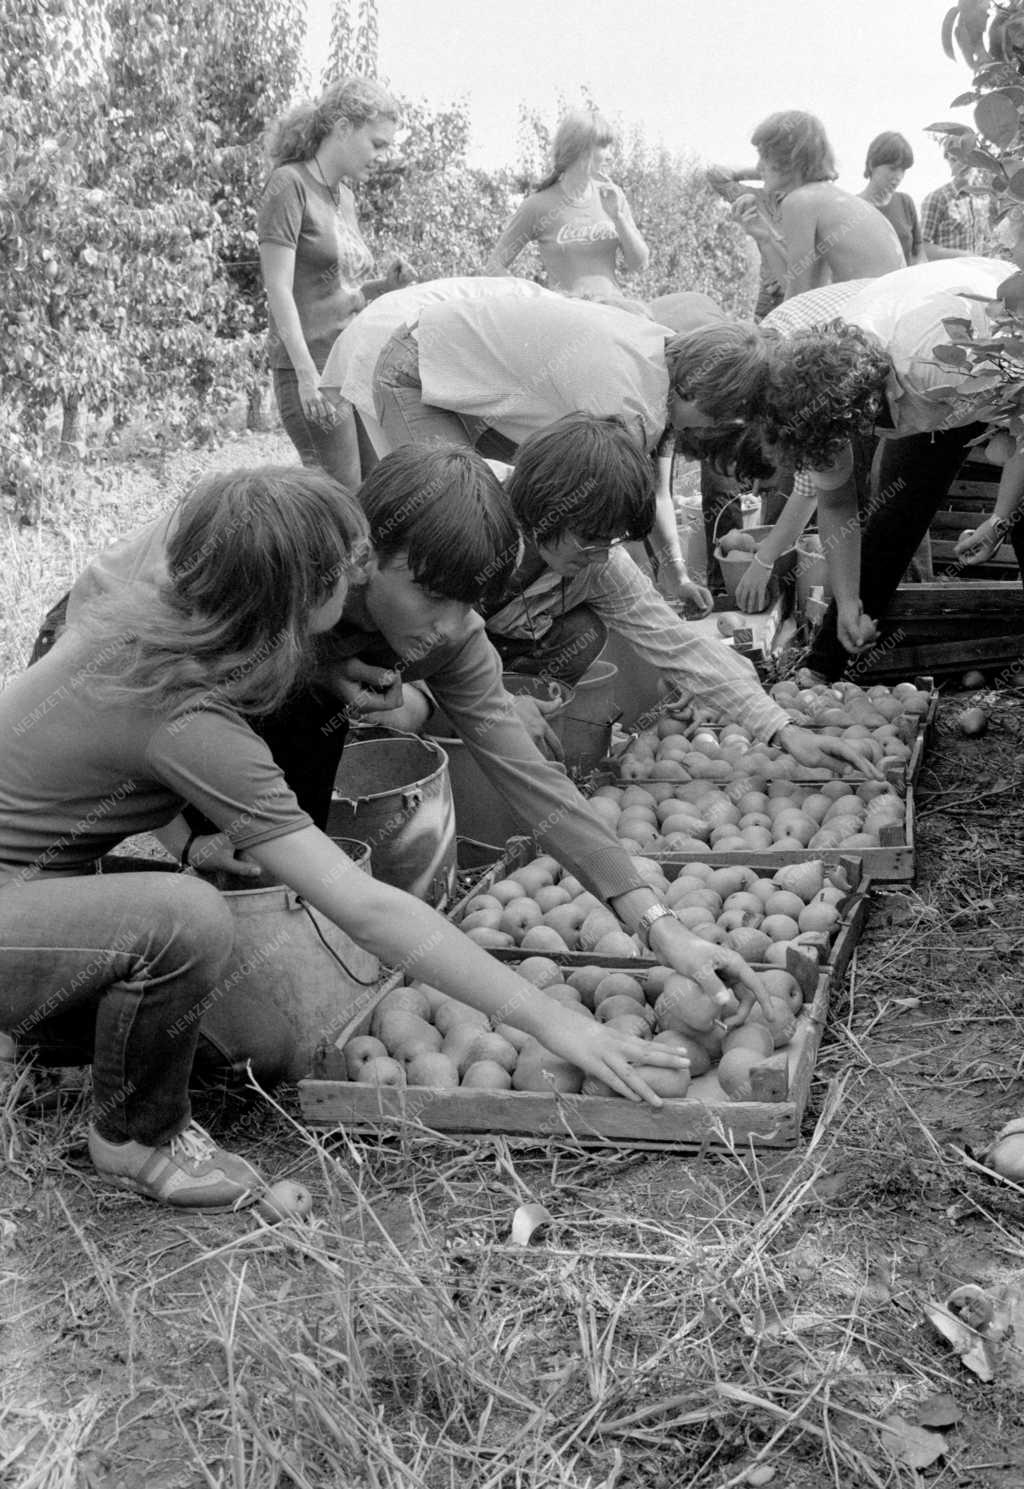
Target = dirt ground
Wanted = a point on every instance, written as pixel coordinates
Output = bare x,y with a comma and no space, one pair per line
706,1322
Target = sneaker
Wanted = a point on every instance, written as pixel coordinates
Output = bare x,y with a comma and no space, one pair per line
191,1172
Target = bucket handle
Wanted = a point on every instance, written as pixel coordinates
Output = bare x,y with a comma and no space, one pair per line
737,496
412,799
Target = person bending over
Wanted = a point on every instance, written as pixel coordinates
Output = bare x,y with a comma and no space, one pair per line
818,386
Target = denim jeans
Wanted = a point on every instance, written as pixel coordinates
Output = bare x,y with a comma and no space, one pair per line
334,447
123,963
564,653
908,484
407,420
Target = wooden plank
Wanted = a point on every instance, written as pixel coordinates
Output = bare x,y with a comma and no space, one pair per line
687,1124
958,597
976,486
944,657
944,554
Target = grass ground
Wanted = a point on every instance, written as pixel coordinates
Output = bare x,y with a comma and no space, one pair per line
707,1322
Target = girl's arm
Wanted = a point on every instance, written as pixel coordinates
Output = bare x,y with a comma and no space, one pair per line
752,589
519,232
405,933
400,274
673,578
278,265
839,529
635,253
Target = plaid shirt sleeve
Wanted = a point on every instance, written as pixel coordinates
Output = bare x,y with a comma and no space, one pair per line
933,217
703,669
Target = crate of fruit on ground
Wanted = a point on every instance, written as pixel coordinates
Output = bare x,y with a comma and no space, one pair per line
719,793
530,905
890,726
420,1057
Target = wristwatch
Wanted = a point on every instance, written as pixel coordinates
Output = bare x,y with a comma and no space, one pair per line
648,918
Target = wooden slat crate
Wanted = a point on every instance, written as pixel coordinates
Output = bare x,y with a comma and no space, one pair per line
947,628
706,1120
853,910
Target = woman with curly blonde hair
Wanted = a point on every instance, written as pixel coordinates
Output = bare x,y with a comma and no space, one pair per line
315,262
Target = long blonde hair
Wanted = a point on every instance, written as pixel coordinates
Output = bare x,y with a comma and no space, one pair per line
578,131
252,554
298,134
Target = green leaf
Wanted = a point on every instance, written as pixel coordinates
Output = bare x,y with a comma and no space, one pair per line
1011,291
951,356
947,127
949,20
997,119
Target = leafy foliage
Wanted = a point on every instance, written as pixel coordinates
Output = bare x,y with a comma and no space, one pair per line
128,175
987,365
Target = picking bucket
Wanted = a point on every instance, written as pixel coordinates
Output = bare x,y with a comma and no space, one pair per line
293,982
811,569
480,812
735,564
585,726
393,792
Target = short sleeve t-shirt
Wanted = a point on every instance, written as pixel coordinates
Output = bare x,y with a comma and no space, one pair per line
299,212
901,212
76,779
578,241
520,364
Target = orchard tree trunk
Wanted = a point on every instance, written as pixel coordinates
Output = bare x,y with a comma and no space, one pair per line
70,429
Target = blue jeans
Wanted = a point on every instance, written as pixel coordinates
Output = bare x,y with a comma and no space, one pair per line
407,420
334,447
124,964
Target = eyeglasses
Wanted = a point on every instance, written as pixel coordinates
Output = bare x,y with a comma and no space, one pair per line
605,546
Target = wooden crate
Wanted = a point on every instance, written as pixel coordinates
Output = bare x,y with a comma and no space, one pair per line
699,1122
915,730
948,628
853,910
892,861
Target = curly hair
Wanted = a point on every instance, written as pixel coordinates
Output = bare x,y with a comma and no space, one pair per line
298,134
824,385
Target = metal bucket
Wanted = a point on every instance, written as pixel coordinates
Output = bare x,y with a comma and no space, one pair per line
585,726
293,982
393,792
735,564
811,570
480,812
